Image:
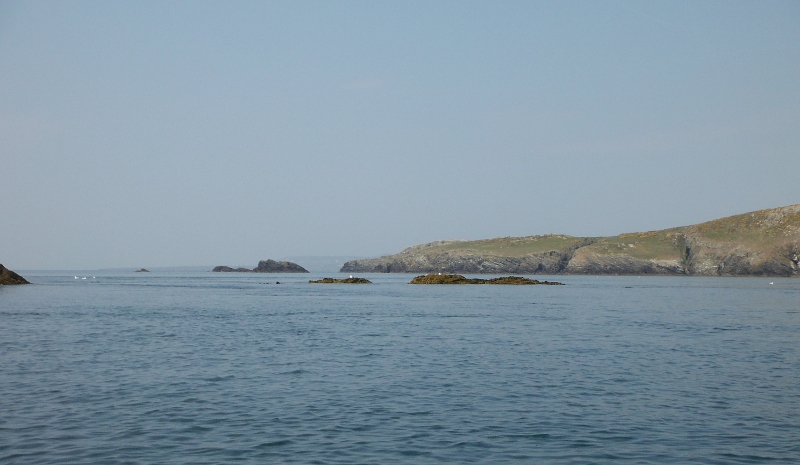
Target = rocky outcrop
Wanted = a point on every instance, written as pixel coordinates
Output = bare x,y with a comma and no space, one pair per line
8,277
142,270
227,269
266,266
271,266
350,280
761,243
458,279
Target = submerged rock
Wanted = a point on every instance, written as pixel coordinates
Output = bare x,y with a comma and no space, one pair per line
458,279
350,280
8,277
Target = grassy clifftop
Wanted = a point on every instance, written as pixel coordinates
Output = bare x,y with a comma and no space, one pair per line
502,246
765,242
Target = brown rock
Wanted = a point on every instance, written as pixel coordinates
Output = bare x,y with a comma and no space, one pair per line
350,280
458,279
8,277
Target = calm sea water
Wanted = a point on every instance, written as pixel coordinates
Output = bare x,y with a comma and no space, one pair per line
137,368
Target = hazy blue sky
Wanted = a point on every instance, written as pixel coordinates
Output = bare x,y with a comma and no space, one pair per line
202,133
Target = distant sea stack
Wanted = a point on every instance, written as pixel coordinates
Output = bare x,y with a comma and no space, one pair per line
8,277
265,266
271,266
760,243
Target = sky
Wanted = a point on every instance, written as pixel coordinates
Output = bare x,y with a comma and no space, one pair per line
150,133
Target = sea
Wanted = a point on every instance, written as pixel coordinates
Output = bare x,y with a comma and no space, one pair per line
117,367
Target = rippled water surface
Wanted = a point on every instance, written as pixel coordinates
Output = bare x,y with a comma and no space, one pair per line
233,368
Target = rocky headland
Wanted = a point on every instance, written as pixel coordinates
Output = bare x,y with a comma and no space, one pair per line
265,266
760,243
8,277
458,279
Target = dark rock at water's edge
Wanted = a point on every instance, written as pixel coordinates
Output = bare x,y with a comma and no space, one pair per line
142,271
759,243
265,266
350,280
8,277
458,279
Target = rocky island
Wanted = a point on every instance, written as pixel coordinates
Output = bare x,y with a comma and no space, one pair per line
227,269
458,279
265,266
8,277
350,280
760,243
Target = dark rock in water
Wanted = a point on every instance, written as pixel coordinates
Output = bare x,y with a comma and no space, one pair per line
271,266
458,279
265,266
143,271
227,269
350,280
8,277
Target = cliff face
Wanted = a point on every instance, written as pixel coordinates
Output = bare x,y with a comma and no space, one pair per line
766,242
8,277
762,243
266,266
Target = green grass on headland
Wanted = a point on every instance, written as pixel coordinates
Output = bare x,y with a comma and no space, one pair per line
760,243
502,246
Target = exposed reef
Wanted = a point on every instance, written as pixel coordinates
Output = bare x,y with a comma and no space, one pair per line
8,277
760,243
265,266
350,280
458,279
